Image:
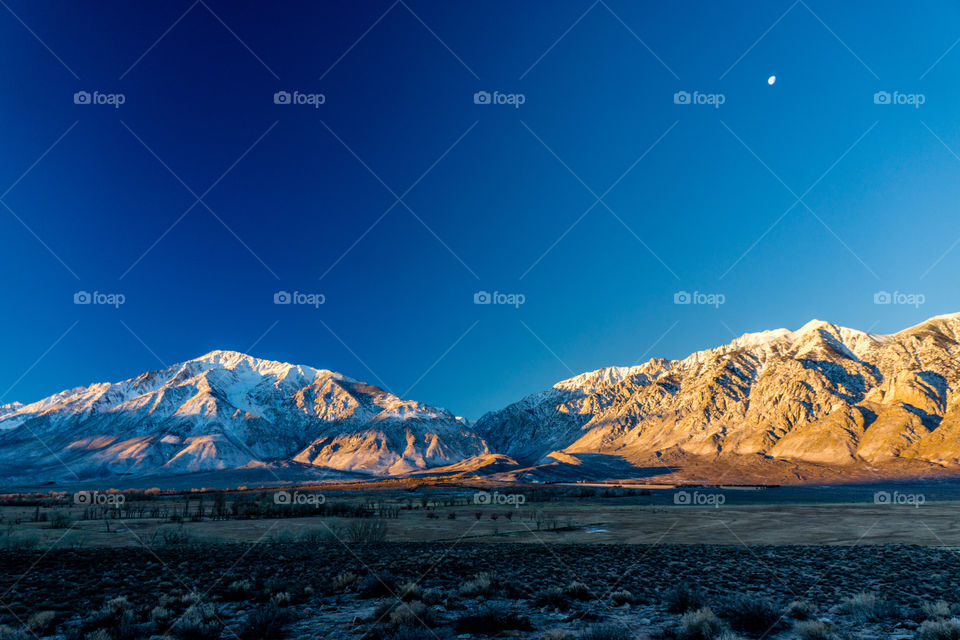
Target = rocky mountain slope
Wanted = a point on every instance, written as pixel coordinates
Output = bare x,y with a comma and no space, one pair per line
820,402
823,394
227,410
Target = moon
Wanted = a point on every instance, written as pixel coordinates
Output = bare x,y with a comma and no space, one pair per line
771,80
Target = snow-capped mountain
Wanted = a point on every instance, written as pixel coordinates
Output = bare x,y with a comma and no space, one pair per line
821,401
227,410
824,395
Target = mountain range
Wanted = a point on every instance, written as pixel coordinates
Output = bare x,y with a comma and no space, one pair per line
822,403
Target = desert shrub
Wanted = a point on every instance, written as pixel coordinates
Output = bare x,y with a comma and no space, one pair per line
265,622
99,634
160,615
939,630
553,598
239,590
41,623
682,598
482,584
750,614
607,632
700,624
936,610
366,531
172,537
813,630
58,519
19,541
412,614
344,581
861,605
410,591
199,622
432,596
622,596
556,634
800,610
275,585
9,633
377,586
867,607
115,619
578,591
281,599
489,622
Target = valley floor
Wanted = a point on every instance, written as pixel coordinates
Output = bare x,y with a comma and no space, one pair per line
444,590
596,563
613,521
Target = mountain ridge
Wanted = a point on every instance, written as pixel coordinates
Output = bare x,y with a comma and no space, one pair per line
821,397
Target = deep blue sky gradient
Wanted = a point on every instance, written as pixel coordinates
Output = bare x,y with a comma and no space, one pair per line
399,306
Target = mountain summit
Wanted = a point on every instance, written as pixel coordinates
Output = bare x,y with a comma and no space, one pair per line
227,410
821,401
824,395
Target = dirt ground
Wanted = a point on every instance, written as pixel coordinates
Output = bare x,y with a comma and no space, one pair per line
334,590
567,522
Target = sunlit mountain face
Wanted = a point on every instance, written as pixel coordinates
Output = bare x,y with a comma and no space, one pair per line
832,400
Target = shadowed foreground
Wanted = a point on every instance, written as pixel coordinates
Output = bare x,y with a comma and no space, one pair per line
338,590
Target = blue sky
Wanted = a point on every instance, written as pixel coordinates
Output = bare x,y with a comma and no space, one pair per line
598,199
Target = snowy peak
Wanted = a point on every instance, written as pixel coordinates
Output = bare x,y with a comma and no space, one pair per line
10,408
820,394
590,381
224,410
